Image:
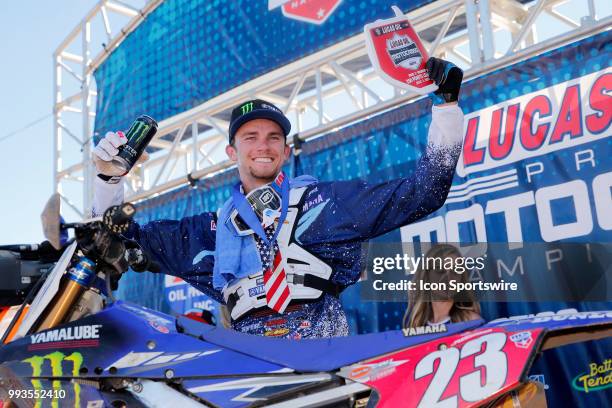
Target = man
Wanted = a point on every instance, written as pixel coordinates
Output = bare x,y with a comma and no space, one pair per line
285,249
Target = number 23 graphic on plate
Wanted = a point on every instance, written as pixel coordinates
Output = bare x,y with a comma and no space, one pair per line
462,370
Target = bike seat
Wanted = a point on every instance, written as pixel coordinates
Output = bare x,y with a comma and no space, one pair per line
315,355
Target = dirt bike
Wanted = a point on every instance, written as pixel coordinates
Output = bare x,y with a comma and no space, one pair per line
71,344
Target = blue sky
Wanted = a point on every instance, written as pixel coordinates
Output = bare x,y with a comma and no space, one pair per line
30,31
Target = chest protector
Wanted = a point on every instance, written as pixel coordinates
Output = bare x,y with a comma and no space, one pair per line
307,276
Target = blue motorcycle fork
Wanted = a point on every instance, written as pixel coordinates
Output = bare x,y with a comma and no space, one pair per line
78,279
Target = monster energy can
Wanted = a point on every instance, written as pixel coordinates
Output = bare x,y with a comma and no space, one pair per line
139,135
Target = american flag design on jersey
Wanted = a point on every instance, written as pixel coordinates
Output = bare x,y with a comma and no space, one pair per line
279,179
278,294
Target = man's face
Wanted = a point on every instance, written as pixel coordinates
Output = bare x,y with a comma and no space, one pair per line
259,150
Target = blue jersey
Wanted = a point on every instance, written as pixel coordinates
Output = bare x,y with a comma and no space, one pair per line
334,218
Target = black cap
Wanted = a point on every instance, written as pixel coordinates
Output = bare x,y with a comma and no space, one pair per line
257,109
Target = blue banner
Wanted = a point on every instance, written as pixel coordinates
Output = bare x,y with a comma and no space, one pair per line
189,51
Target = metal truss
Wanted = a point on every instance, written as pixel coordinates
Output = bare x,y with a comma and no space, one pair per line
74,93
332,88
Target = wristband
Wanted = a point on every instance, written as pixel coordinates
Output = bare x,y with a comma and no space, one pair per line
109,179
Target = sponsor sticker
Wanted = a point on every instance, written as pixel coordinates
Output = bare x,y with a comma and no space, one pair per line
141,311
276,332
469,336
275,322
369,372
311,202
256,291
359,372
75,336
159,327
597,378
404,52
561,315
55,360
539,378
522,339
417,331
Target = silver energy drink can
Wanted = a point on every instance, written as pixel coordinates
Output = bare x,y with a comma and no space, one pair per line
139,135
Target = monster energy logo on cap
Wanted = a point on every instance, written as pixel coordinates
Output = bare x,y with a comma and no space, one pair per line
257,109
247,107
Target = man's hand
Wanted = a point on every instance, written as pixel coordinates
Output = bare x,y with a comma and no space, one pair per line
448,78
106,150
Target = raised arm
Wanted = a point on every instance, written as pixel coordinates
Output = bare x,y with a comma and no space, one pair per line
357,210
108,184
379,208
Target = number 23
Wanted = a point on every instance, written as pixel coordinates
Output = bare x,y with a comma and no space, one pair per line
493,359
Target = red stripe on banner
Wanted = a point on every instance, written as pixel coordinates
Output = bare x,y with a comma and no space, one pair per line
282,299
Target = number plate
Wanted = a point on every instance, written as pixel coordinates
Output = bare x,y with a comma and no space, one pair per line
462,370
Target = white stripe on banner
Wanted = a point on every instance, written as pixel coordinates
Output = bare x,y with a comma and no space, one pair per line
475,180
478,186
483,191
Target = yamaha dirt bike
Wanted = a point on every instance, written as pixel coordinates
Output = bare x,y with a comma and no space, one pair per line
73,345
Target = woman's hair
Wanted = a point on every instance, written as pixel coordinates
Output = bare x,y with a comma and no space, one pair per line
419,310
225,317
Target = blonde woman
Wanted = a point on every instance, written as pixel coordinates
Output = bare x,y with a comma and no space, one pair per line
432,307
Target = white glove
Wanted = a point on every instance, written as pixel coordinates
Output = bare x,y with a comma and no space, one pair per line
106,150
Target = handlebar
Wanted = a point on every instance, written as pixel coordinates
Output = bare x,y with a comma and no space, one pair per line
102,241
